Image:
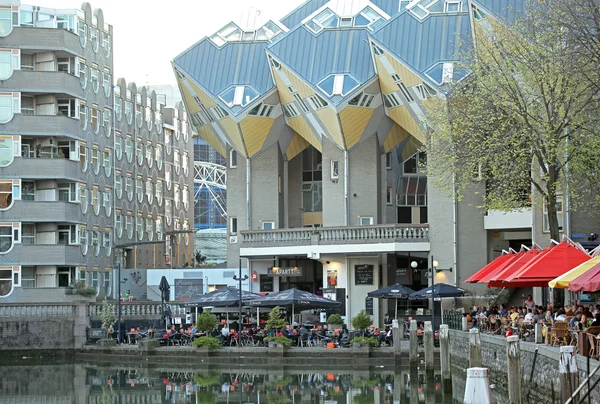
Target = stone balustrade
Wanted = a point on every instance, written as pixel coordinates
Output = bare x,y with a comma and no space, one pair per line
36,310
136,309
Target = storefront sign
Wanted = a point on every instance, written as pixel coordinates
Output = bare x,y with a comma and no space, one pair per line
369,305
363,274
403,276
331,278
278,271
266,283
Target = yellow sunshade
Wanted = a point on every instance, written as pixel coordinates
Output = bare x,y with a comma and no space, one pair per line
562,282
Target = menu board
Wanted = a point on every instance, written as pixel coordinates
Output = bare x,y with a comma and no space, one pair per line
186,289
403,276
266,283
363,274
369,305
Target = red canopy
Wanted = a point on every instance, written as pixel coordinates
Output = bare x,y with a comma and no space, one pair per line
551,263
523,259
588,281
476,277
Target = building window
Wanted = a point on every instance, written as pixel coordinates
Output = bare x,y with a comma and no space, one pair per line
317,102
366,220
139,153
96,200
185,163
94,284
138,111
159,192
106,275
119,224
177,161
66,107
107,202
139,189
9,61
392,100
106,44
263,110
312,176
10,104
168,176
362,100
83,198
6,273
168,211
186,197
149,154
290,110
118,147
28,277
83,239
425,91
129,188
177,196
158,121
106,122
28,233
159,156
96,160
232,158
6,150
220,113
338,84
28,191
238,96
233,225
559,214
129,226
129,111
83,77
168,141
6,239
106,83
96,242
68,192
118,107
129,149
95,79
149,190
107,162
388,195
377,50
107,242
149,229
139,227
335,169
83,157
268,225
95,119
159,228
94,38
83,115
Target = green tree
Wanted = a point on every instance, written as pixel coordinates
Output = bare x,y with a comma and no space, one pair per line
206,321
108,314
522,120
276,320
362,320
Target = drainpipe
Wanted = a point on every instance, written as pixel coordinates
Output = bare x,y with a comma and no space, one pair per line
454,228
346,186
248,212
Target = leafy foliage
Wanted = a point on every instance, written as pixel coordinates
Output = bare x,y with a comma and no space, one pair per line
276,320
206,321
286,342
362,320
108,314
207,342
82,289
335,319
210,379
365,341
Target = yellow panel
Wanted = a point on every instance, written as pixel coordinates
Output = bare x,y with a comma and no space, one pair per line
190,104
301,127
284,94
395,137
406,75
204,97
206,133
233,131
296,146
354,121
402,117
255,131
303,89
385,80
330,119
412,146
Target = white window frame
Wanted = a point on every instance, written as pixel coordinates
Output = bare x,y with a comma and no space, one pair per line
119,224
393,100
365,218
290,110
335,169
233,225
233,158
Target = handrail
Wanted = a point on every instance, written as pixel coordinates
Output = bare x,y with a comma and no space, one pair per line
582,385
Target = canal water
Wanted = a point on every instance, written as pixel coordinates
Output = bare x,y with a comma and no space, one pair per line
39,380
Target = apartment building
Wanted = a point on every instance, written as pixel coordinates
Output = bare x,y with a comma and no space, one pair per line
74,156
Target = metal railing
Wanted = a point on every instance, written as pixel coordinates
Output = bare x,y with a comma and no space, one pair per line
454,319
36,310
339,235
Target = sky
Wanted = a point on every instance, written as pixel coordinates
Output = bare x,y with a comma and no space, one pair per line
148,34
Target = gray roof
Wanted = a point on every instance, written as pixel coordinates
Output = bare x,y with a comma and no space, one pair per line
504,10
294,18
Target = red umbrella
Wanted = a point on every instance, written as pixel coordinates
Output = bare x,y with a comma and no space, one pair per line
476,277
550,264
492,275
588,282
523,259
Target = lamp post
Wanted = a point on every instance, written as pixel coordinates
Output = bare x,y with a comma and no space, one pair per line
434,265
240,279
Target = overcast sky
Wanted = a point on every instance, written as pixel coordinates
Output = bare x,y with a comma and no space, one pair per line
149,34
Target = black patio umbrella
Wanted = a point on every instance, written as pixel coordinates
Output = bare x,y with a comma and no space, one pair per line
294,298
439,290
225,297
395,291
165,296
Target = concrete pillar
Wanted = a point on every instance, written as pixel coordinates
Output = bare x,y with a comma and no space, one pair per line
396,336
445,359
81,322
539,338
513,353
474,348
569,376
414,384
477,388
413,357
428,340
465,324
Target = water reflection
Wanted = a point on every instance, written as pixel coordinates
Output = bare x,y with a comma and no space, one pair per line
86,383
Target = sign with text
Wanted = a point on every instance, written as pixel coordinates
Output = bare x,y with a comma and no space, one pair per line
279,271
363,274
186,289
266,283
403,276
369,305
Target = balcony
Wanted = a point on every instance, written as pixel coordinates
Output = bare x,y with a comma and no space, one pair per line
44,168
43,83
43,39
43,254
43,211
519,219
332,240
43,125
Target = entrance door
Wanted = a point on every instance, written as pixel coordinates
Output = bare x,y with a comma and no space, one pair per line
64,279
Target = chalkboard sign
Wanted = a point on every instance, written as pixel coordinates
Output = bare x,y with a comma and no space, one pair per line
96,333
266,283
403,276
363,274
369,305
186,289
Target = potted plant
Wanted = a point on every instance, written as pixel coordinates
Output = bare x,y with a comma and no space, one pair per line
359,342
275,323
361,322
206,322
335,322
108,317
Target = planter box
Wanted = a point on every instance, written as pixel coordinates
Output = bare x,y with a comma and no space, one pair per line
107,342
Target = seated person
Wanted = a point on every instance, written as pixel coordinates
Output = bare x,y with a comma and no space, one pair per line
225,335
596,322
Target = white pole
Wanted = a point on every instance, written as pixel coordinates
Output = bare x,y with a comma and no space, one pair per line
477,388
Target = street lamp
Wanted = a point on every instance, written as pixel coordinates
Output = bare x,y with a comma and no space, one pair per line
240,279
433,269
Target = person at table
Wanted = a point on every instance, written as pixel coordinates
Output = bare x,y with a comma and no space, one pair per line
529,303
596,322
569,311
503,311
387,320
194,329
576,321
225,334
514,314
529,316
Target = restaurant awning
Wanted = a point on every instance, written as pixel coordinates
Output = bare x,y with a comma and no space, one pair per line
588,282
551,263
476,277
522,258
563,281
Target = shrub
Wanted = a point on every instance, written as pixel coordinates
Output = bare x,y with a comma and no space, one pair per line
108,314
206,321
82,289
335,319
207,342
276,320
366,341
362,320
210,379
286,342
